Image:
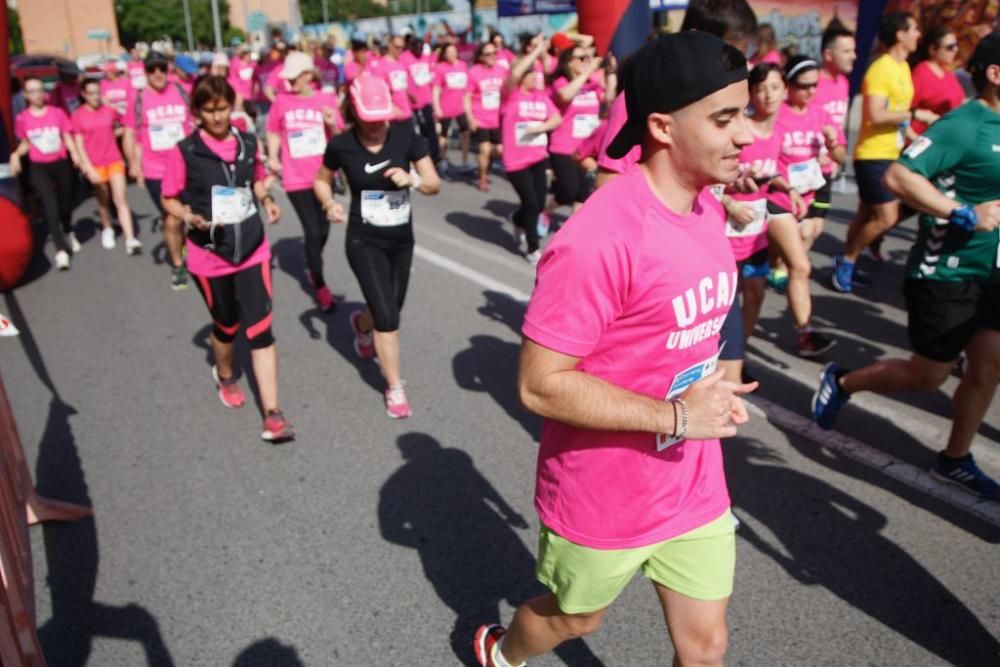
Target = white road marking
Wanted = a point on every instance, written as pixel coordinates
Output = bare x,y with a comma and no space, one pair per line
477,249
469,274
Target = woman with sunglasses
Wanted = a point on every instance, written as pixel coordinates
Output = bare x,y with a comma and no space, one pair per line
44,137
95,133
451,80
482,108
215,182
936,89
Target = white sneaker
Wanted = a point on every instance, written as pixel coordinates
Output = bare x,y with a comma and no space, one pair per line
62,260
7,327
108,238
133,246
74,243
534,256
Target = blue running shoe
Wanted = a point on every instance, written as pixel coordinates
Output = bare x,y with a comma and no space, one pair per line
829,397
843,275
964,473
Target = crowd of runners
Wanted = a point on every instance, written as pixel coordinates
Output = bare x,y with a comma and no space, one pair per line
688,181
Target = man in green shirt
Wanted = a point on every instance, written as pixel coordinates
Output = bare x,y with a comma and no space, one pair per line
952,175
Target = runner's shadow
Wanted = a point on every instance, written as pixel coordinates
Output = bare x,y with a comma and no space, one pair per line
340,337
268,653
836,541
71,549
291,259
504,309
464,533
489,230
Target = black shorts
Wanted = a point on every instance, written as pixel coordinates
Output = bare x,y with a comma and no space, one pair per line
446,123
731,342
821,202
240,300
774,209
756,265
945,316
869,174
482,135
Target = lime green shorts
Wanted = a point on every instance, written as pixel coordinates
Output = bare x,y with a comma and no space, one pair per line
699,564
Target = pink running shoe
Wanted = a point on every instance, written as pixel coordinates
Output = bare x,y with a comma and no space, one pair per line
325,299
364,342
229,390
276,428
396,405
485,643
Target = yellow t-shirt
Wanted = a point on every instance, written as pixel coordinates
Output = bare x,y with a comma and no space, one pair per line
888,78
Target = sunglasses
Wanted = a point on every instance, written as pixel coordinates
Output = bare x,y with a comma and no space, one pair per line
489,53
158,67
949,47
583,57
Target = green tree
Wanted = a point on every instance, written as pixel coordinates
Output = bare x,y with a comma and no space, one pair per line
149,20
340,10
14,31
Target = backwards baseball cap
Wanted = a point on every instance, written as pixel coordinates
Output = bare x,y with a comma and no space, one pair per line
371,98
987,53
670,73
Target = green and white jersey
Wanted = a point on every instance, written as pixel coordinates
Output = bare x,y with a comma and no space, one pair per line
960,154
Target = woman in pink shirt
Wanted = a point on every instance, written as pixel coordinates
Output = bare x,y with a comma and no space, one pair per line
451,79
43,133
935,86
95,130
215,183
528,116
421,82
482,108
115,87
298,128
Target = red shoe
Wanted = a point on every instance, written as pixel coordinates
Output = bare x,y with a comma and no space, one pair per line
396,404
485,643
484,184
325,299
276,428
364,342
230,392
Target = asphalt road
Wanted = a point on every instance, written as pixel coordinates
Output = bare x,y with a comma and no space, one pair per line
375,542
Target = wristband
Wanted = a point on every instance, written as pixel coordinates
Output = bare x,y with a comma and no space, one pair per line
964,217
680,428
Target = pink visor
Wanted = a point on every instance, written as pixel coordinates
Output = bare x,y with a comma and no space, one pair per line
371,98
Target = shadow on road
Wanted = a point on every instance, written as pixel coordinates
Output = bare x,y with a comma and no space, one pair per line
340,337
464,533
71,549
488,230
836,541
268,653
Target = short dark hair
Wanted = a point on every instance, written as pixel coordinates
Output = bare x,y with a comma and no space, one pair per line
890,24
87,81
797,66
833,32
726,19
211,87
759,74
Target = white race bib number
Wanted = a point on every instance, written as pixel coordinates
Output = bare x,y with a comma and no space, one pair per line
584,125
231,205
754,227
491,99
309,142
456,80
523,135
806,176
5,170
421,73
385,208
397,78
164,136
139,81
47,141
681,382
246,73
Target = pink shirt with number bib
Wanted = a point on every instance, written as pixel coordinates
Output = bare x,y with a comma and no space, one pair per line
521,112
241,77
421,78
97,127
299,121
116,93
761,159
802,144
398,77
44,133
485,87
639,294
165,121
453,80
580,117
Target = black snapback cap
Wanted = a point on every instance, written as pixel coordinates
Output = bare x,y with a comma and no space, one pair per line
987,53
670,73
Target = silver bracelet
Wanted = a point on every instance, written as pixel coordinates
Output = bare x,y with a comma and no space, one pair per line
681,433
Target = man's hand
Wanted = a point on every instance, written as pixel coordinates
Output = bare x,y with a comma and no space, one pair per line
715,407
989,216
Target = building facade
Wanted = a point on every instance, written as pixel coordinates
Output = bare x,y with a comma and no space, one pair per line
69,28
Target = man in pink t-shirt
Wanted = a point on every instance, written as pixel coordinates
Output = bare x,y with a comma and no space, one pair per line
241,76
395,73
630,471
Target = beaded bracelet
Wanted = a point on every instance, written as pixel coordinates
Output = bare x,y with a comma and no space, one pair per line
681,433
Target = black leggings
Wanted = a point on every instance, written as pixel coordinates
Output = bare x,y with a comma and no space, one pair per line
53,183
315,229
570,184
383,274
529,183
425,121
240,299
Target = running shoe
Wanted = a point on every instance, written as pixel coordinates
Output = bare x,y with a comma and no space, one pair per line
364,342
276,428
325,299
487,642
396,405
964,473
7,328
133,246
829,397
443,168
178,278
543,225
777,279
533,257
74,243
62,260
229,390
812,344
843,275
108,239
875,250
483,184
469,167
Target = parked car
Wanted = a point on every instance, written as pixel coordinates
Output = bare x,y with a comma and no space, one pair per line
47,68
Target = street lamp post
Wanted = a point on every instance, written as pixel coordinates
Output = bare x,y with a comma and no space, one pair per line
187,25
216,25
326,13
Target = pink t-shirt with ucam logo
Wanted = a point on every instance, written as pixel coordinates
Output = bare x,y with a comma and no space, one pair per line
116,93
761,159
241,77
521,111
485,87
802,144
165,120
453,80
832,96
299,121
44,133
97,127
421,78
580,117
639,294
397,76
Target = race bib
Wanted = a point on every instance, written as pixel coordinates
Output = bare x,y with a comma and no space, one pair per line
491,100
806,176
753,228
385,208
524,137
5,170
397,78
681,382
421,73
309,142
47,141
584,125
456,80
231,205
139,81
246,73
164,136
329,88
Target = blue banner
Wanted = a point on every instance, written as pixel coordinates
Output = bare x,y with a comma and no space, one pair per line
526,7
